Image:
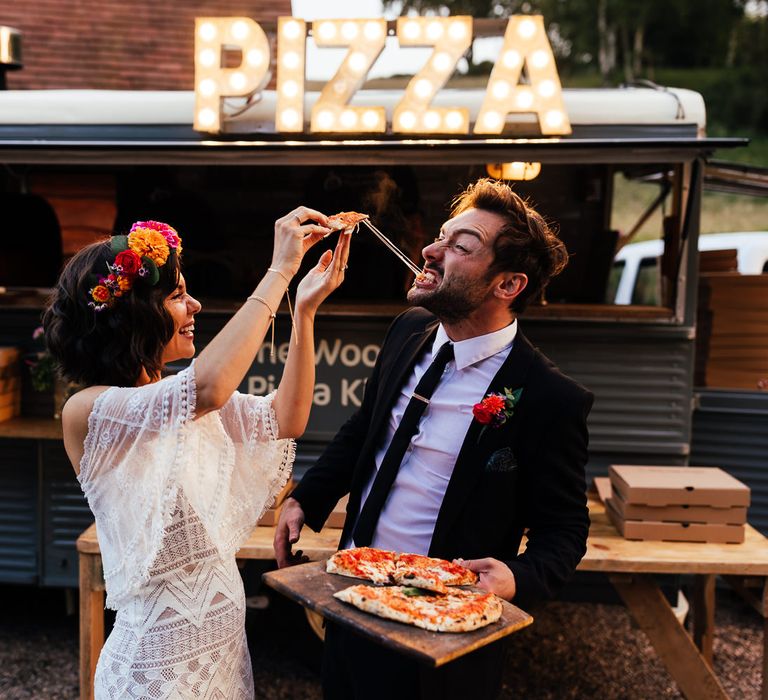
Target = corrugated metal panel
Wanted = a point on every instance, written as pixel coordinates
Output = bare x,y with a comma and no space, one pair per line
65,516
730,431
18,512
641,378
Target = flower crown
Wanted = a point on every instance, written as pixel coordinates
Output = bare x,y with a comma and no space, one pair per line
139,255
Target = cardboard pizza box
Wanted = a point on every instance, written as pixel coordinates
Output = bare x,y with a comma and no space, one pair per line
675,532
338,514
672,486
270,516
735,515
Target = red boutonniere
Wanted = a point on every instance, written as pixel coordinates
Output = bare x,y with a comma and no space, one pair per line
496,408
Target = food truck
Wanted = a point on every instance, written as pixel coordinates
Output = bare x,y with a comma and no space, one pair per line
221,163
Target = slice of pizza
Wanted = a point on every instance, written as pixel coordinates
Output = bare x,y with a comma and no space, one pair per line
376,565
417,567
457,611
346,220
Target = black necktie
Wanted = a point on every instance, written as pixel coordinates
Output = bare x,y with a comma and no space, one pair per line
369,516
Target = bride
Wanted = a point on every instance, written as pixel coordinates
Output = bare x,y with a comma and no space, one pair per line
178,470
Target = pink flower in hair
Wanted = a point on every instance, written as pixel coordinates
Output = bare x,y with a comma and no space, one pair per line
170,234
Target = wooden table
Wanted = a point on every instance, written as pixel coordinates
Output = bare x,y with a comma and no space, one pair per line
630,566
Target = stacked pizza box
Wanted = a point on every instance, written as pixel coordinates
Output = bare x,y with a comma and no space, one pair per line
682,504
338,514
10,383
732,331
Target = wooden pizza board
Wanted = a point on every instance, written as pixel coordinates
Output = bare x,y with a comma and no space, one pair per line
310,586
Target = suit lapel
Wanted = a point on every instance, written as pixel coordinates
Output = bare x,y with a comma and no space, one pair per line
400,368
469,463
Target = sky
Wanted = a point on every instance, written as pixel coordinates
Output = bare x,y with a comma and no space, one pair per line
321,64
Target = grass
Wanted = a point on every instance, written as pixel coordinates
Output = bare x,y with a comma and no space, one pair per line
719,212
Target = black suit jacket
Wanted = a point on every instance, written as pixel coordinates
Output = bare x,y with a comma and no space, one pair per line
527,475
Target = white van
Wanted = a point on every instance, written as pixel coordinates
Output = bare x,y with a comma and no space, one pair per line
635,274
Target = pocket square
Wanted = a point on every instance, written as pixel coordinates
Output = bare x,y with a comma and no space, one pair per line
502,460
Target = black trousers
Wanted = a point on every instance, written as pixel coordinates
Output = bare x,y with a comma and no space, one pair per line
355,668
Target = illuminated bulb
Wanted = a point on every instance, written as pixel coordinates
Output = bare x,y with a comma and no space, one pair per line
434,30
289,117
407,120
492,120
372,31
457,30
207,31
370,119
516,171
340,87
539,59
255,57
327,31
291,30
511,59
348,118
206,116
546,88
240,30
325,119
554,118
357,62
431,120
441,61
237,80
349,30
291,60
207,57
423,88
500,89
290,88
454,119
207,87
411,30
526,29
524,99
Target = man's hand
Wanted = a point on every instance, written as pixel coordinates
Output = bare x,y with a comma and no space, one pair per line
288,531
495,576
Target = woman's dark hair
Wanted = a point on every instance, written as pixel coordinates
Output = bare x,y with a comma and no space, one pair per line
114,345
526,243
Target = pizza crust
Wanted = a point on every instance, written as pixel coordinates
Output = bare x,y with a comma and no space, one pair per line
457,611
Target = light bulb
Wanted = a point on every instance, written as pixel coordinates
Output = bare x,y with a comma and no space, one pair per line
240,30
207,31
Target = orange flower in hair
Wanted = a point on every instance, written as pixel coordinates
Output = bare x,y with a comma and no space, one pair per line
147,243
100,293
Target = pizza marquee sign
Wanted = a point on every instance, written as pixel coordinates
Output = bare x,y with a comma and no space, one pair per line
525,46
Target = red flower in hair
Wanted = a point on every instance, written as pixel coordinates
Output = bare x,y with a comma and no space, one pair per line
129,261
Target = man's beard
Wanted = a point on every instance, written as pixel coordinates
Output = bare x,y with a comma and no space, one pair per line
453,301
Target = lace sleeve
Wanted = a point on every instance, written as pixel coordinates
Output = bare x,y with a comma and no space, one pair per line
261,464
134,453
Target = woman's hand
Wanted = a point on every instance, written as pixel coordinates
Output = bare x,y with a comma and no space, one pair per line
324,277
293,238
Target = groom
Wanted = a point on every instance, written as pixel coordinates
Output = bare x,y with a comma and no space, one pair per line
427,473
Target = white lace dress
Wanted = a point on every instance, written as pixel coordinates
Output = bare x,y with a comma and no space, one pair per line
174,497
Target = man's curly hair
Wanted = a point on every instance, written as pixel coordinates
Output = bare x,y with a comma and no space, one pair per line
526,243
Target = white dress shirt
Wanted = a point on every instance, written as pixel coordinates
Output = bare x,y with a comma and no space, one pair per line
408,518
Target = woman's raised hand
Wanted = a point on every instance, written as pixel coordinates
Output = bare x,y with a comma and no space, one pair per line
294,237
324,277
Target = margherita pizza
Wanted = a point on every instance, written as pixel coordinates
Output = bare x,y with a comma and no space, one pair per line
456,611
376,565
383,567
346,220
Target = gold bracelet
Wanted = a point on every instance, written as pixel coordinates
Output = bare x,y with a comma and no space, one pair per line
256,297
285,277
290,308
